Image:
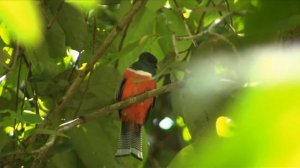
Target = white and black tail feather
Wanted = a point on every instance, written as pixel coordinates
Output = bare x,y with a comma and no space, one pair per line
130,140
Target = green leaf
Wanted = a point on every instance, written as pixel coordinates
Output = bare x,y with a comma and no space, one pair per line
27,117
167,23
272,24
190,4
6,121
267,120
66,159
73,23
44,67
4,140
101,91
55,38
131,56
96,142
155,5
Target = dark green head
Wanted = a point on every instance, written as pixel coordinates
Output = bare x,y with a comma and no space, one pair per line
147,62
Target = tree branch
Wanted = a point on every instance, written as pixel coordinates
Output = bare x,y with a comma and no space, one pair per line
99,53
103,112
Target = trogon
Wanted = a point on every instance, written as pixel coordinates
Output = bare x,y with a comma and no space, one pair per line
137,79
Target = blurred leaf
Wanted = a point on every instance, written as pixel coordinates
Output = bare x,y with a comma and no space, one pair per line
5,40
206,94
267,133
22,20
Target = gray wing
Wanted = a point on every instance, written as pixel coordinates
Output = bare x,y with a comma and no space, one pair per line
119,93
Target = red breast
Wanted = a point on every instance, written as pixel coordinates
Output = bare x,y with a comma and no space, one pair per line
137,82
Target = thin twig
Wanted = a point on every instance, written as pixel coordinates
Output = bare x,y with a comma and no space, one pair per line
174,44
82,98
229,10
123,37
221,14
17,96
188,37
187,28
210,28
103,112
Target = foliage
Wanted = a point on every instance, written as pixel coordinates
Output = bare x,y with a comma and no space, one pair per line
51,57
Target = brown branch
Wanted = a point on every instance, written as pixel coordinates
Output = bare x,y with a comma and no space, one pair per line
103,112
99,53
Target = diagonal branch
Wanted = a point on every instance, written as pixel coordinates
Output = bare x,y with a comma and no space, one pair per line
103,112
187,28
99,53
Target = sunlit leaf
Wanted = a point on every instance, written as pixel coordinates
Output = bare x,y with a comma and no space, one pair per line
22,20
224,126
27,117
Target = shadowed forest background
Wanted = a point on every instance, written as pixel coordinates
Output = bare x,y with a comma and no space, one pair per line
228,82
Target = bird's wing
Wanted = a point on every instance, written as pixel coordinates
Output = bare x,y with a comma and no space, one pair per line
119,93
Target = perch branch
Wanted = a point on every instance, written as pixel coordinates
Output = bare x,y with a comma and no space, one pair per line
103,112
98,54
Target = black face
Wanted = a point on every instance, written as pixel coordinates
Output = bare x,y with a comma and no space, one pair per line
148,57
147,62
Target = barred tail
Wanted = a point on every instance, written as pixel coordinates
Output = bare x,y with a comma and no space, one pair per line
124,141
130,140
136,143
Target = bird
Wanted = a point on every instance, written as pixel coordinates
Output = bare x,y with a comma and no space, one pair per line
137,79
